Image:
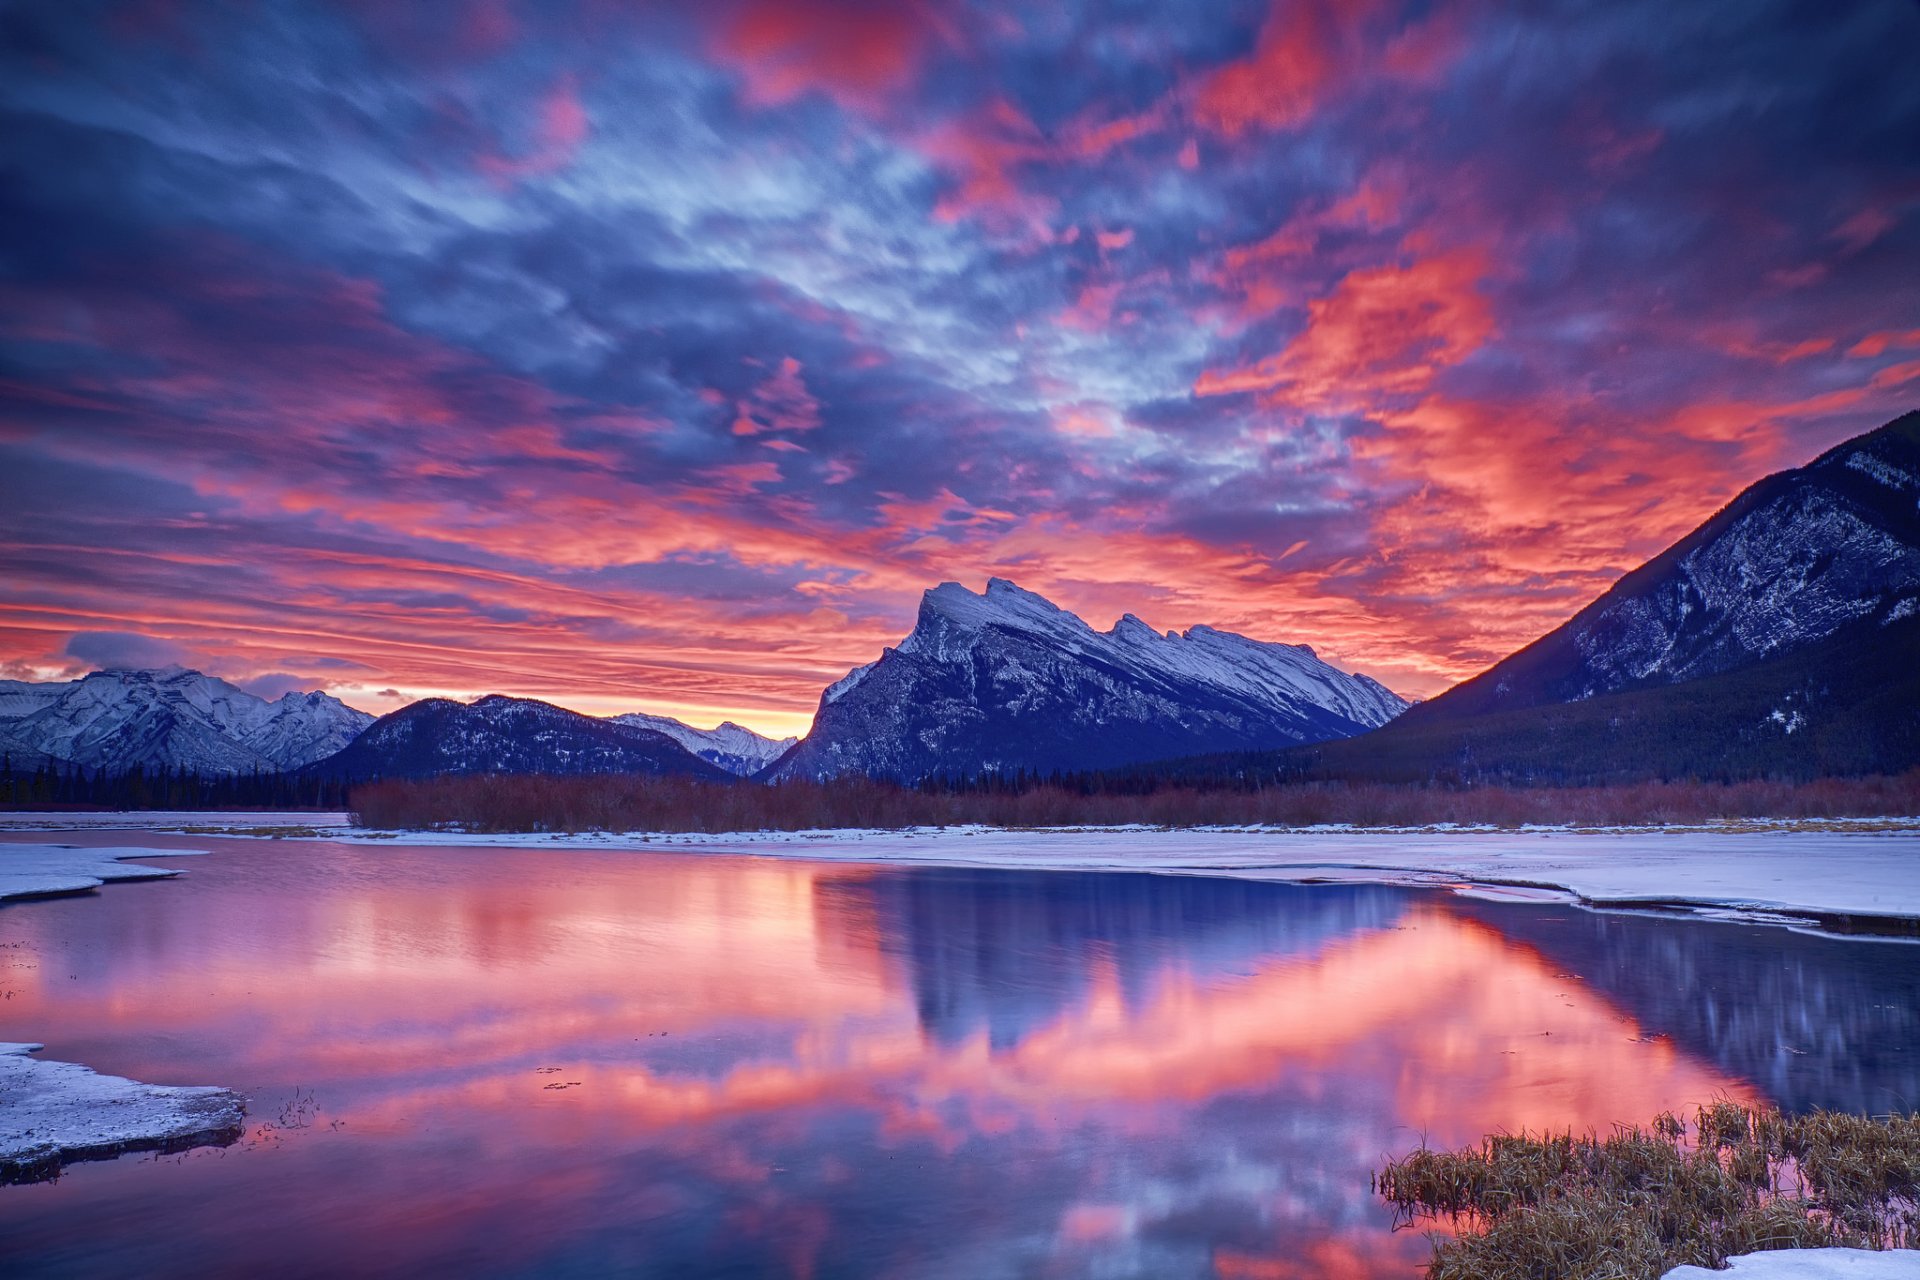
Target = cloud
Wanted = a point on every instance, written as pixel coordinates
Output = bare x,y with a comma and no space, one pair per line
276,684
121,650
613,353
858,52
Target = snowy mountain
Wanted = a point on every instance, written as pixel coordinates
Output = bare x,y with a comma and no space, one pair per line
735,748
1006,680
167,718
1791,561
1779,636
498,734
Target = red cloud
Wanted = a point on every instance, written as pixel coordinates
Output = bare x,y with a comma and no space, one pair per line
1308,50
1383,331
1879,343
780,403
858,52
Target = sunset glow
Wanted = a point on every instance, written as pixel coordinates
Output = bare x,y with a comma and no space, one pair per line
657,357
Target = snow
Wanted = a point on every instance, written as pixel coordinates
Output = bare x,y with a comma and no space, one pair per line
1811,1264
37,870
53,1113
733,747
170,717
1779,876
845,683
1775,576
950,615
1779,873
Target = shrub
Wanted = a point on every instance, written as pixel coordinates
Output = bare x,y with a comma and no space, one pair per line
1637,1203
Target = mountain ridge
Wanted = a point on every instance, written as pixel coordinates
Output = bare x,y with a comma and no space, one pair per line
1006,680
1776,637
507,735
733,747
169,717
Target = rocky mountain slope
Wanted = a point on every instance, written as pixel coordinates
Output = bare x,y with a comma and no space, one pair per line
735,748
1005,680
498,734
169,718
1780,636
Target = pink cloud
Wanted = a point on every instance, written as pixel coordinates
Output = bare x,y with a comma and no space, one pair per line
561,127
780,403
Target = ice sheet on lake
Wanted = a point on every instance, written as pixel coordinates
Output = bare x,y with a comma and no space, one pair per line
55,1113
1756,872
39,870
1811,1264
1775,877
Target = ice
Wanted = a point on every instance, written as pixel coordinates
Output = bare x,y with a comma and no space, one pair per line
55,1113
1776,877
39,870
1811,1264
1776,873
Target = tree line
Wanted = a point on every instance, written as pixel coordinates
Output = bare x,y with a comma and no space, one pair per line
65,785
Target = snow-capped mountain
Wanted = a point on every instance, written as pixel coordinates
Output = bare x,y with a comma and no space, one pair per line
168,718
735,748
498,734
1006,680
1792,561
1778,637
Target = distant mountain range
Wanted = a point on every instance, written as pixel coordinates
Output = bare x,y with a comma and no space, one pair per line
735,748
498,734
175,718
1007,681
1782,636
114,720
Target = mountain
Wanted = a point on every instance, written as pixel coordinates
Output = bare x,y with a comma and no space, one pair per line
167,718
1779,637
735,748
498,734
1006,680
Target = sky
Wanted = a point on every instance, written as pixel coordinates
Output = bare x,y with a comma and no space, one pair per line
654,356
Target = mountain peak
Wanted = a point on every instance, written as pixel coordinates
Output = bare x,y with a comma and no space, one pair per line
733,747
168,716
949,613
1001,598
1006,679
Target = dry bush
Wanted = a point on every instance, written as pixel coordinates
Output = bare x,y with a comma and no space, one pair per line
1634,1204
633,803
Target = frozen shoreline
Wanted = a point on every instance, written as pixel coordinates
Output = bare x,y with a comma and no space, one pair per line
53,1114
1800,879
56,1113
1837,877
1812,1264
48,870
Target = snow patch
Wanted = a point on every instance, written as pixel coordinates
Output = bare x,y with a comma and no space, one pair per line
41,870
55,1113
1887,474
734,747
1811,1264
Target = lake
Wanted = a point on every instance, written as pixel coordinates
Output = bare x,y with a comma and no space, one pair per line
499,1062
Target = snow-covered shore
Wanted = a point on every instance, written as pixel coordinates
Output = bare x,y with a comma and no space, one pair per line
1811,1264
43,870
56,1113
1806,875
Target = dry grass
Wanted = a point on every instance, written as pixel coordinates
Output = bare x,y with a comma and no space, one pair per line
629,803
1638,1202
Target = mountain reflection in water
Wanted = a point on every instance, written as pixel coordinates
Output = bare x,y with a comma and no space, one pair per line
530,1062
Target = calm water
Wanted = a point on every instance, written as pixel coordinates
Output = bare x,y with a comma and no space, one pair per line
529,1063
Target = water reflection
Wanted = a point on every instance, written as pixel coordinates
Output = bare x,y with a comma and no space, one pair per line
680,1065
